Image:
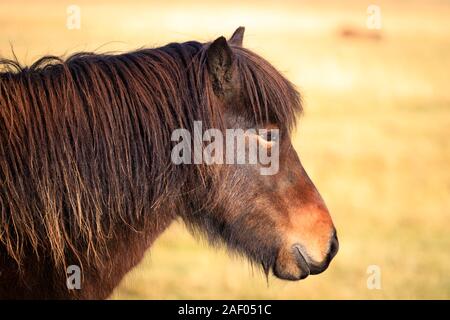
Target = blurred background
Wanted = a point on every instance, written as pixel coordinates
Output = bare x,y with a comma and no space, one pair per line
374,137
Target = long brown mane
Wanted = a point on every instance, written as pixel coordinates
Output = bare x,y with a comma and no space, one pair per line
85,142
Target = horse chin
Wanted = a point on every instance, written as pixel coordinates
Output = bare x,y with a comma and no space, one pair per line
291,264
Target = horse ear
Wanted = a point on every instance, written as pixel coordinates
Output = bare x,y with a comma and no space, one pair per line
219,60
238,37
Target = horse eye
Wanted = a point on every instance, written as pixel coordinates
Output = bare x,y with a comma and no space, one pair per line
270,135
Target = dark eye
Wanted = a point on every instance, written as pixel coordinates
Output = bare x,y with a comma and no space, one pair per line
270,135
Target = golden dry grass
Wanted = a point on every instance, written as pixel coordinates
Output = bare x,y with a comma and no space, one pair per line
375,136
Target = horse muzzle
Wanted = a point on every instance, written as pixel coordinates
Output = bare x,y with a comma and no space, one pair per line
294,263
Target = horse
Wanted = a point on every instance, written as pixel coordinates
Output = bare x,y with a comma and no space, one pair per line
87,179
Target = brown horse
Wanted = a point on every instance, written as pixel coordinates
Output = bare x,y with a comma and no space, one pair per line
87,178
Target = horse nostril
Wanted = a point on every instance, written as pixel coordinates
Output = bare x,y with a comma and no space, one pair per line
334,246
316,268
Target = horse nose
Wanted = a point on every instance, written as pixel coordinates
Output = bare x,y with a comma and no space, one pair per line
332,251
334,247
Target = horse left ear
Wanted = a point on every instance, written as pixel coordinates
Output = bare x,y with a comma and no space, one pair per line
219,60
238,37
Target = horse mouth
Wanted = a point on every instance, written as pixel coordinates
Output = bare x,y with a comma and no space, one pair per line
301,260
292,265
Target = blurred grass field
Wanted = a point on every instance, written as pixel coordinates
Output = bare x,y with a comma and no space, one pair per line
374,137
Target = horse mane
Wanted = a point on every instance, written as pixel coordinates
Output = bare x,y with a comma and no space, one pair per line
84,142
